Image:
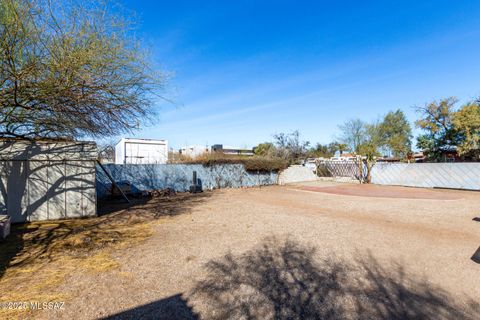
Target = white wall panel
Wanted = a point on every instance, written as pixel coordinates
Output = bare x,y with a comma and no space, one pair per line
47,181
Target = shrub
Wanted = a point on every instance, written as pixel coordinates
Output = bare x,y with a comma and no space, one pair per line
255,163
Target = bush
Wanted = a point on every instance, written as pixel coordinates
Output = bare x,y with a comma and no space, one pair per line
255,163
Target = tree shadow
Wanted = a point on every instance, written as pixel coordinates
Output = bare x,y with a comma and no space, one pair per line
174,307
151,207
36,179
282,280
46,241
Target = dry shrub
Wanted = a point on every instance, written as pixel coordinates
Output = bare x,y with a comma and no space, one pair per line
251,163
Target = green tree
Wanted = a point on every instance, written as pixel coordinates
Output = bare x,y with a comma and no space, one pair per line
466,123
436,121
71,69
335,146
321,150
264,149
372,141
396,133
365,139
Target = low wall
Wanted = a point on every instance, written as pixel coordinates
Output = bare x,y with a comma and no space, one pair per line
179,176
296,173
428,175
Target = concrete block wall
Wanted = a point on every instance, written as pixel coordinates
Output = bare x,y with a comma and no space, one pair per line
428,175
179,176
296,173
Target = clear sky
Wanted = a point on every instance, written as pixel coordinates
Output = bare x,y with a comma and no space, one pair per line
244,70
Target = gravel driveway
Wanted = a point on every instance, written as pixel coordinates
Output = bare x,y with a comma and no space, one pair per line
290,252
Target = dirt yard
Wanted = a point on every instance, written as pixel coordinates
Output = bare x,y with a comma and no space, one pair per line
313,250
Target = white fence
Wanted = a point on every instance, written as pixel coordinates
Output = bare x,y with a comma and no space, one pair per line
428,175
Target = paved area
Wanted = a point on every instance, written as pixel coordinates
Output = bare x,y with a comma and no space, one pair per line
376,191
292,253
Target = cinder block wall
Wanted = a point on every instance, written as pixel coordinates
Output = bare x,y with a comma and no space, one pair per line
428,175
297,173
179,176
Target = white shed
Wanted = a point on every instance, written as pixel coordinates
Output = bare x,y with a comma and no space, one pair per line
46,180
141,151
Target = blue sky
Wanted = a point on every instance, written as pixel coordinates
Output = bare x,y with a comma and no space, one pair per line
244,70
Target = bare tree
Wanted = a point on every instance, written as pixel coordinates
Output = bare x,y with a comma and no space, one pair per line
352,133
106,151
291,146
364,139
71,69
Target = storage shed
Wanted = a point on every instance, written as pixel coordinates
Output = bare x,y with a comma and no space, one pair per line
141,151
46,180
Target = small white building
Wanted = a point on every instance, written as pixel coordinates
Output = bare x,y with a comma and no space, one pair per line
141,151
194,151
229,150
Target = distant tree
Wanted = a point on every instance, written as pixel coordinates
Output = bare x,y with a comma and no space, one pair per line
106,151
396,133
466,124
426,143
321,150
333,147
352,133
290,146
436,121
264,149
71,69
365,140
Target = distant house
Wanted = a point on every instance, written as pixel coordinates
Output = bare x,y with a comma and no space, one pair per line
231,150
389,159
417,157
343,157
141,151
450,154
194,151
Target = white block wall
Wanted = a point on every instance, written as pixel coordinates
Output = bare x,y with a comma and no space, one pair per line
428,175
296,173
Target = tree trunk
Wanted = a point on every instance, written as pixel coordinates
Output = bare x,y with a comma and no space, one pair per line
370,165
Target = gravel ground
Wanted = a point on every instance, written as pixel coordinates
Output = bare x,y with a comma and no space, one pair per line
285,252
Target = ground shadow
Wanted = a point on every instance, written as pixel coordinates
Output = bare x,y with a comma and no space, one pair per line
476,256
152,207
283,280
174,307
47,240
